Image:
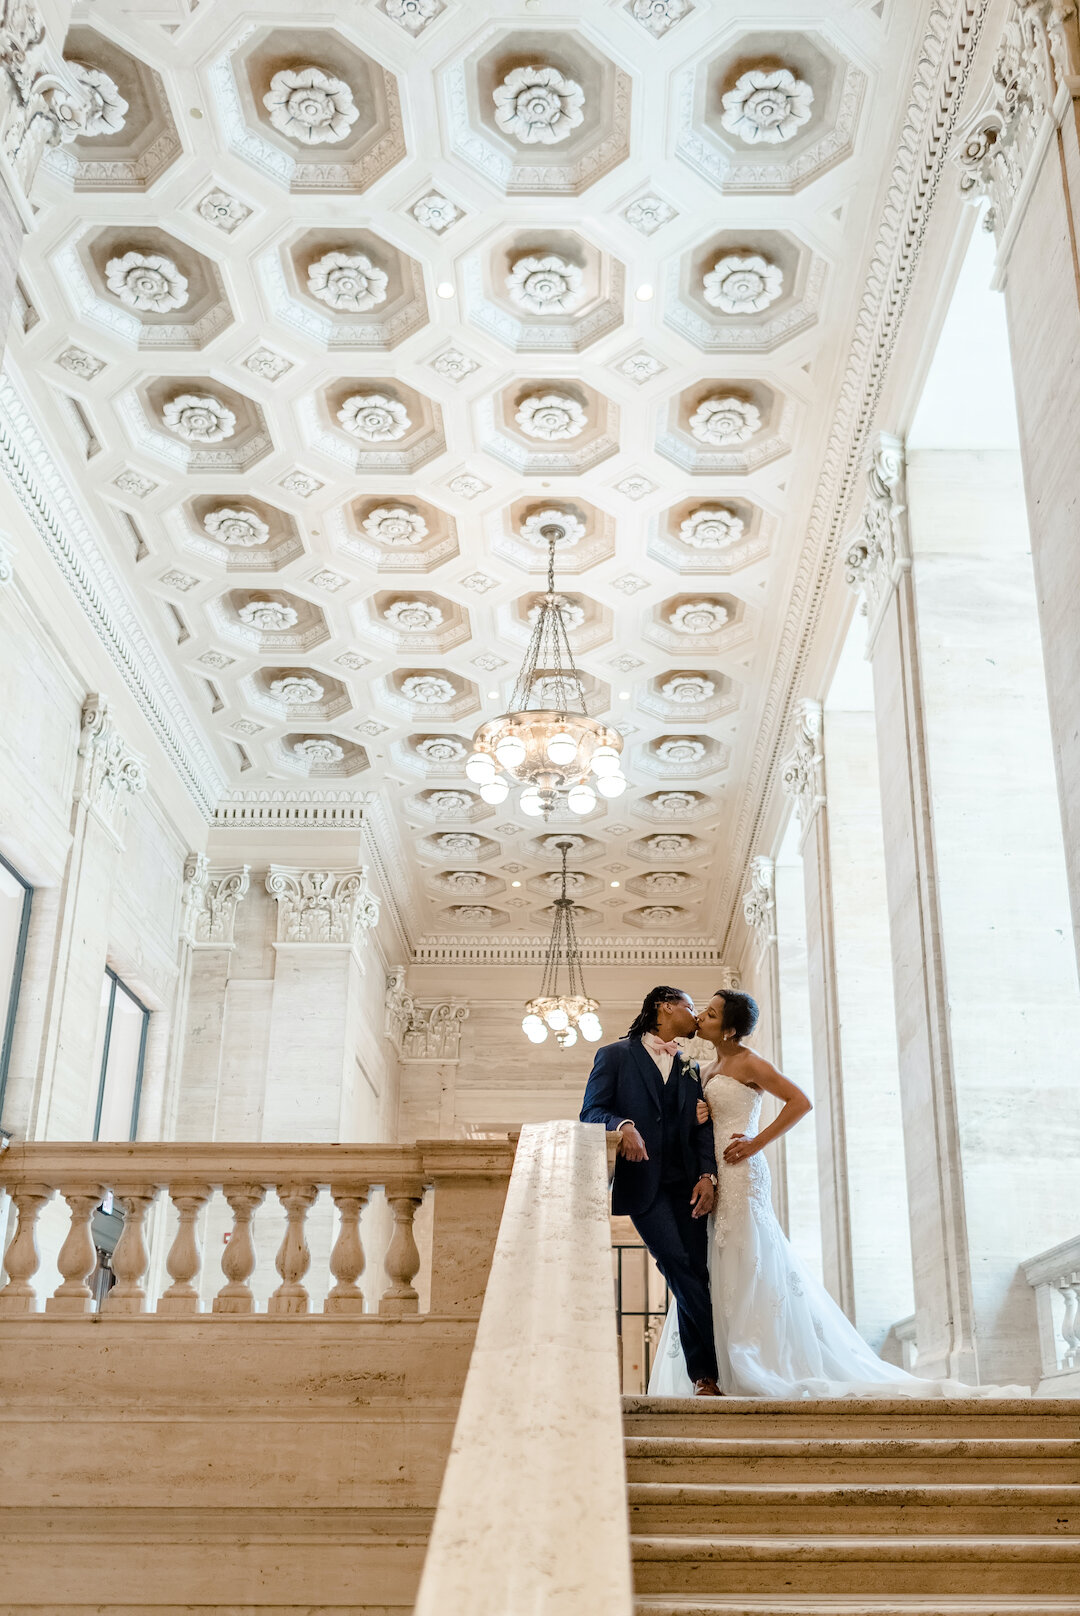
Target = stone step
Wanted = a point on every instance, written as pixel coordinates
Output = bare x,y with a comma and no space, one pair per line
738,1605
929,1419
853,1460
663,1508
862,1565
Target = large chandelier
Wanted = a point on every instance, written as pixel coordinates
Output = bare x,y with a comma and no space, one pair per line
548,748
568,1013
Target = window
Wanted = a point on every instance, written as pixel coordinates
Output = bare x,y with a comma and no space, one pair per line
15,898
122,1052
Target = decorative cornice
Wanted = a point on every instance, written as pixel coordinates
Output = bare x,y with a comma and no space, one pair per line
83,561
274,808
493,950
880,553
209,902
322,906
943,64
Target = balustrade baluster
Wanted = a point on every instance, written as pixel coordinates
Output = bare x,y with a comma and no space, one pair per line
1069,1286
293,1259
185,1254
402,1255
22,1257
78,1257
347,1257
131,1259
238,1258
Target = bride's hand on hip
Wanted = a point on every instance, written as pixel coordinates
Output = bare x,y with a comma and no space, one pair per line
740,1148
702,1111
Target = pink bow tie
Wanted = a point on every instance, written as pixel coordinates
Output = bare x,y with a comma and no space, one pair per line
667,1049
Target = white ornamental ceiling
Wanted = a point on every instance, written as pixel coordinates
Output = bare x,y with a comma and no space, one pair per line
335,319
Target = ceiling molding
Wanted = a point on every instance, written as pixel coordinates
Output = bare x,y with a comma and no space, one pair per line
688,951
943,63
45,496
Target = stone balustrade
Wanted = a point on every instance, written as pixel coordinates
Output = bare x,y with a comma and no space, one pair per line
467,1179
1054,1276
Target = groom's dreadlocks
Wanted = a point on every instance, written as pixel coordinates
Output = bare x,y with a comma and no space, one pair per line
646,1020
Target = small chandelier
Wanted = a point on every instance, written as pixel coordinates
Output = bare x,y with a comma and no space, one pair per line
565,1014
551,749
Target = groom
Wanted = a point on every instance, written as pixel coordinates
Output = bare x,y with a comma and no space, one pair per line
644,1089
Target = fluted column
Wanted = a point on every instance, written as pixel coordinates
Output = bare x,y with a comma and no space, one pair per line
1021,152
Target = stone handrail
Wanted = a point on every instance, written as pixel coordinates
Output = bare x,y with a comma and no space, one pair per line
1056,1274
532,1515
468,1178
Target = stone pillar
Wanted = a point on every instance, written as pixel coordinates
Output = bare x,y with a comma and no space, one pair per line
803,778
323,917
977,893
1022,151
109,775
427,1038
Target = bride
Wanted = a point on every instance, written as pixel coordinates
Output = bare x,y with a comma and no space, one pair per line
778,1331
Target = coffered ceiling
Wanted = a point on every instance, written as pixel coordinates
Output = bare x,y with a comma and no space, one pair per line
330,321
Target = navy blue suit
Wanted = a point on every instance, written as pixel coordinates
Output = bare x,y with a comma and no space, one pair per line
625,1083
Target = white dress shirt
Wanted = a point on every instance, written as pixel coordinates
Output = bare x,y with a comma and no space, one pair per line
664,1060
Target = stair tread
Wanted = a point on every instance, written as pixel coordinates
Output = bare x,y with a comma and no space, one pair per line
853,1605
862,1546
815,1407
988,1492
736,1447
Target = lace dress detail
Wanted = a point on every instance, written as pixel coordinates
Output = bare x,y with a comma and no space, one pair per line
778,1331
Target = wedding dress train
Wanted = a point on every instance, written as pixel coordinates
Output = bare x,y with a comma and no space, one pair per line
778,1331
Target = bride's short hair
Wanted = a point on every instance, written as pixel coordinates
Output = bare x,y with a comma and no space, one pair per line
740,1012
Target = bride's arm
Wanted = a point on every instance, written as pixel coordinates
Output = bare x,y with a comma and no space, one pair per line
753,1069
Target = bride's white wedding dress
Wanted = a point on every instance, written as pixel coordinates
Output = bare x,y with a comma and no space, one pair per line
778,1331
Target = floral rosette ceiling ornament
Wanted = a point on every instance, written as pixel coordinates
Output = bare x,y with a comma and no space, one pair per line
347,281
374,417
743,285
413,616
296,690
552,526
412,14
441,749
711,529
551,416
311,106
199,417
724,421
428,689
318,749
238,527
547,285
659,15
689,689
681,749
435,212
767,106
268,616
538,105
100,108
393,524
150,282
698,617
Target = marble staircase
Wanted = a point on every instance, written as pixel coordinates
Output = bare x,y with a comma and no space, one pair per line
865,1508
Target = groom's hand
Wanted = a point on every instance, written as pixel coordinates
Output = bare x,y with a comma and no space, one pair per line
631,1144
704,1194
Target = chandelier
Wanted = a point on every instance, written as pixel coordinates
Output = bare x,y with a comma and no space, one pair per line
548,747
564,1013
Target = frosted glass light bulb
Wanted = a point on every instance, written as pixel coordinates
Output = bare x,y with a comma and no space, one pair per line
557,1018
581,799
589,1026
609,785
605,760
495,790
480,767
534,1029
529,802
510,751
562,748
569,1038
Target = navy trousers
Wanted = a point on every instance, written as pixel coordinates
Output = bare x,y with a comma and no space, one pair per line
680,1242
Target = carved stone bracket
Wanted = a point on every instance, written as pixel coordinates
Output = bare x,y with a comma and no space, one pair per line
759,904
322,906
1034,78
880,552
802,773
110,773
210,900
434,1033
400,1007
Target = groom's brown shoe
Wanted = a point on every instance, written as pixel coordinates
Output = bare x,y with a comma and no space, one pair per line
707,1388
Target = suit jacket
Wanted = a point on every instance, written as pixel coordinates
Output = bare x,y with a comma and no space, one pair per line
625,1082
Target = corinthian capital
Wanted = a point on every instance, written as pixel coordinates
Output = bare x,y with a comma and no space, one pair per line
322,906
210,900
759,903
880,551
110,773
802,773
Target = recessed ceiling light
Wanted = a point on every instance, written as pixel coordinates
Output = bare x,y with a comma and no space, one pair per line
644,292
493,695
515,883
614,883
624,695
446,289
